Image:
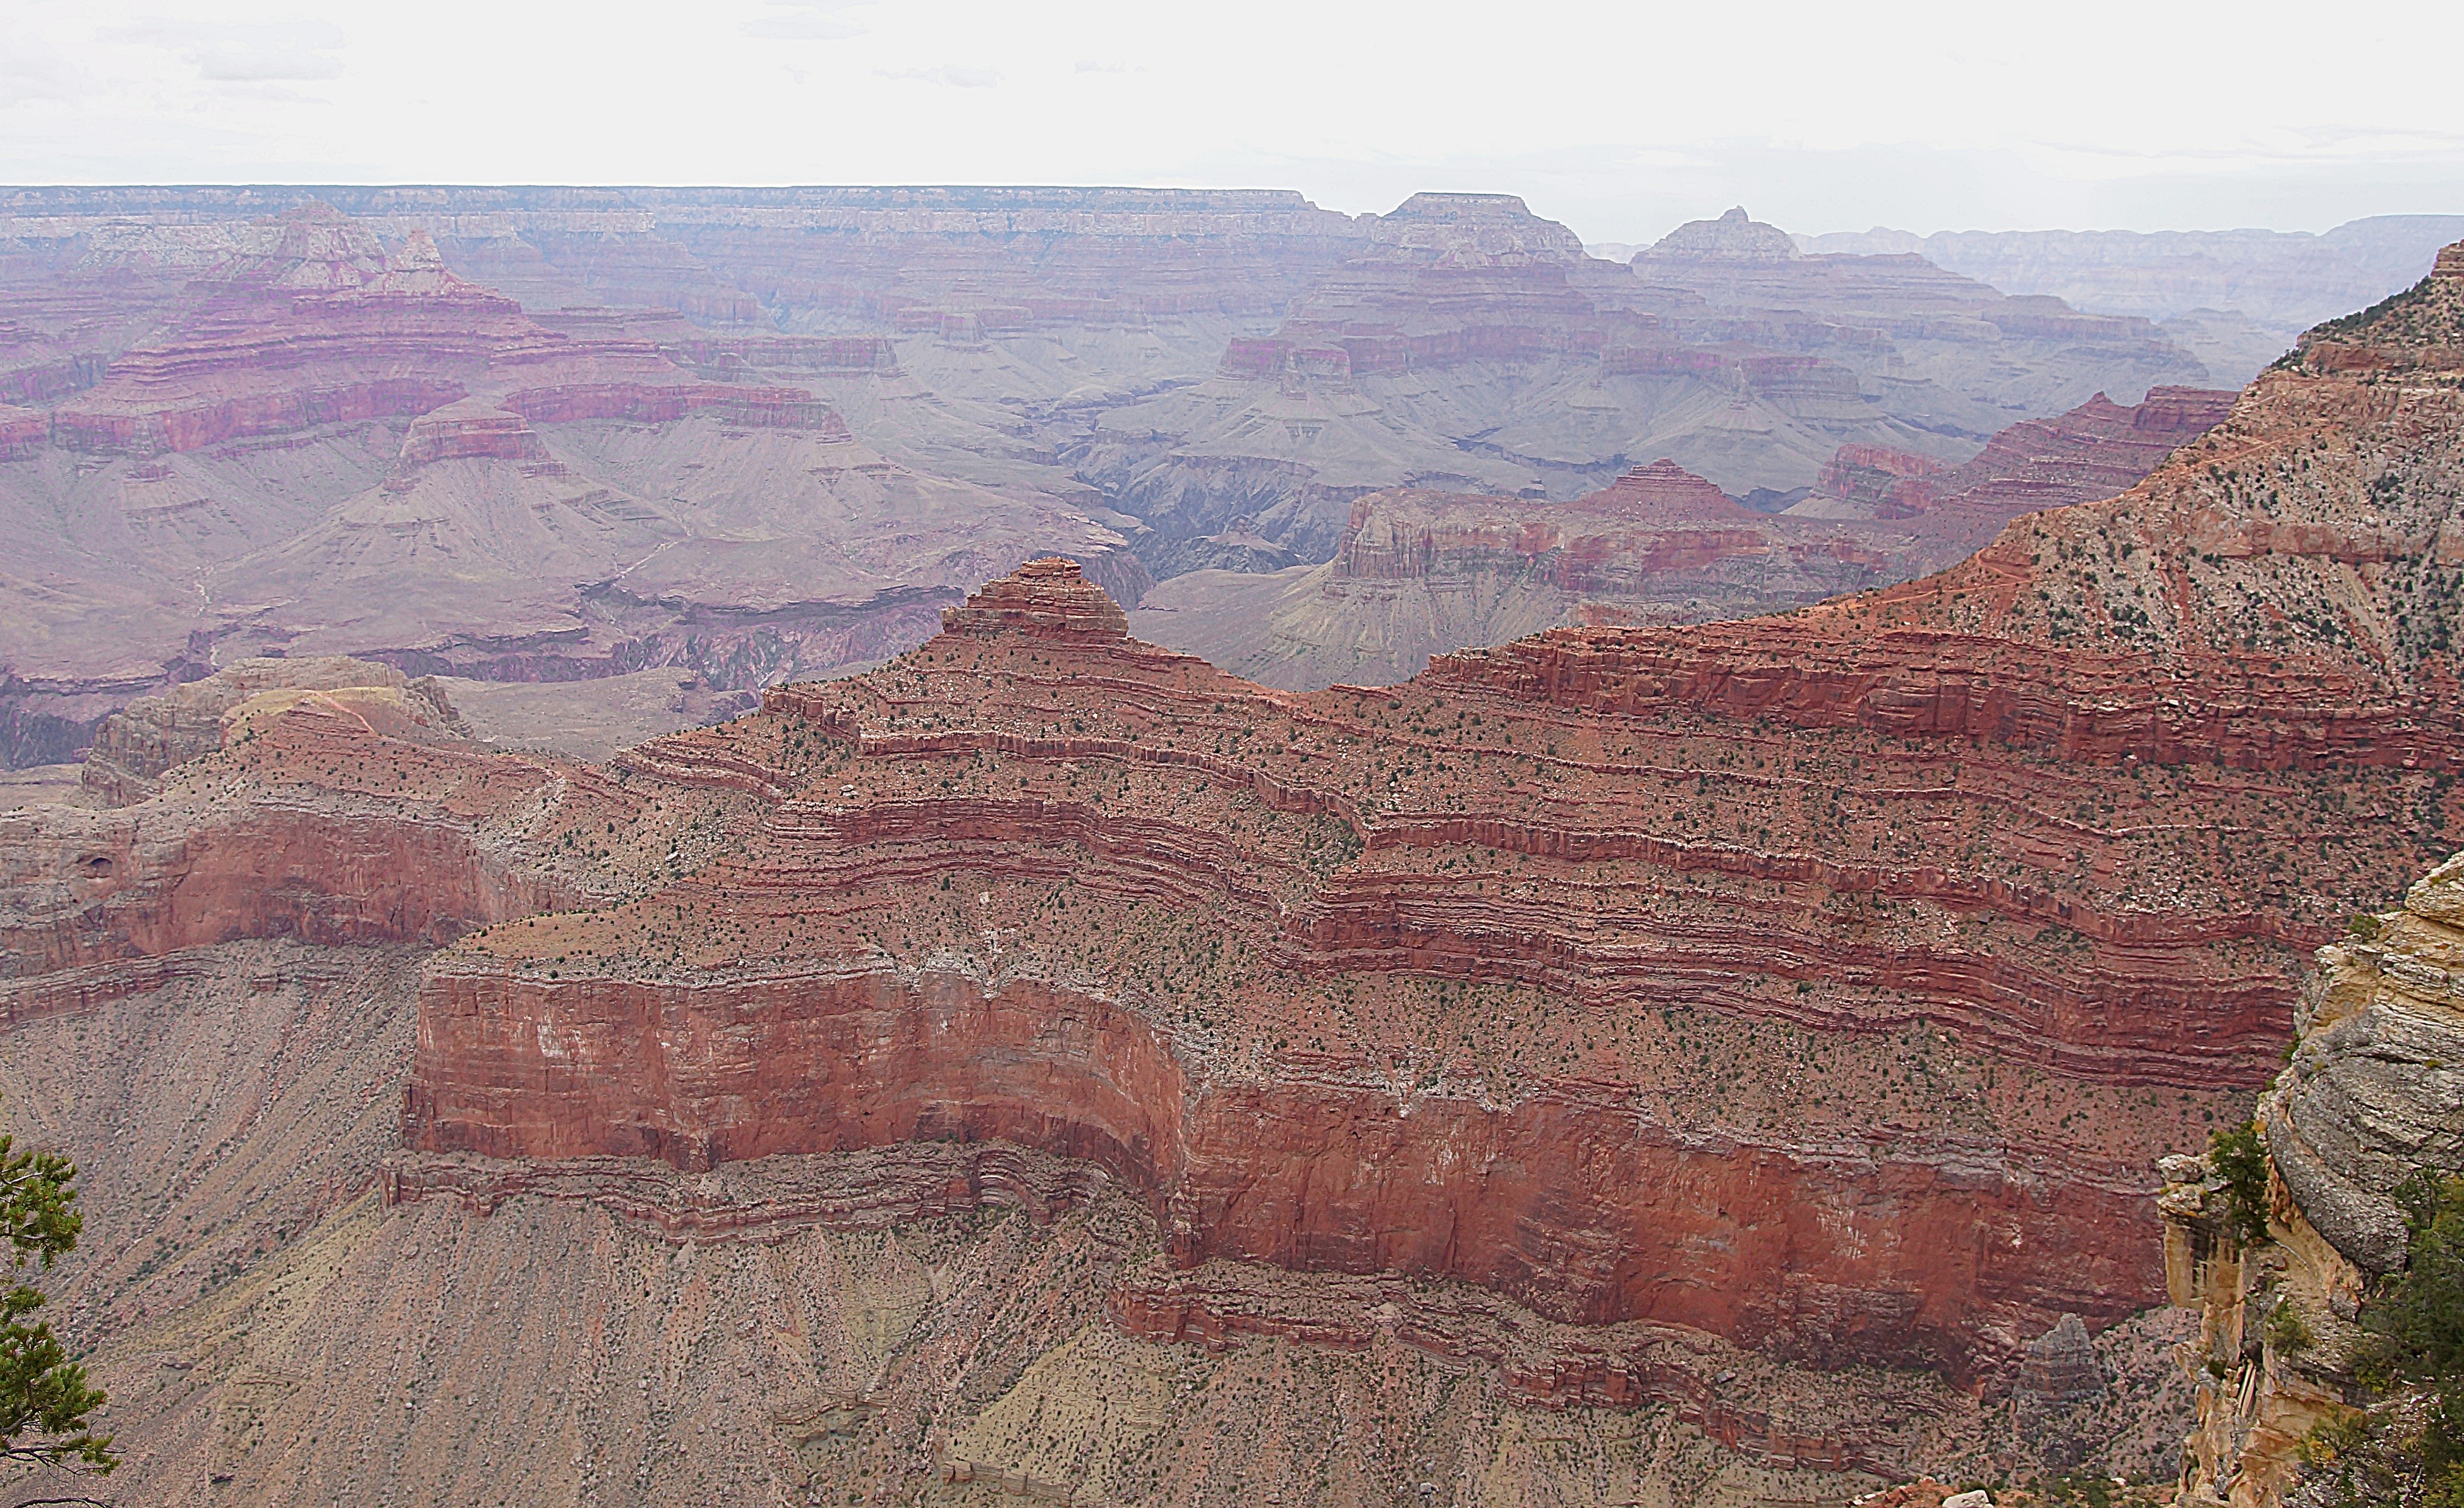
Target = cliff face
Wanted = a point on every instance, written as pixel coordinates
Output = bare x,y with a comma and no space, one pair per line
933,1312
1592,1007
1370,981
1508,843
2275,595
2099,450
330,801
2366,1103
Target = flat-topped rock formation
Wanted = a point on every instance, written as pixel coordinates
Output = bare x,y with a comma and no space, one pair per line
1743,360
329,443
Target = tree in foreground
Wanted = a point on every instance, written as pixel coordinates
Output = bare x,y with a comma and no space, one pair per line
45,1402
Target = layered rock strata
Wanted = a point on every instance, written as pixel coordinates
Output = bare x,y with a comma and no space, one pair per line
1825,986
1421,573
2096,450
313,442
1450,938
1502,360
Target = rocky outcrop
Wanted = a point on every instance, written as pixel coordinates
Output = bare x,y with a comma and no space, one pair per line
1048,599
1736,236
137,745
2099,450
2366,1106
328,801
23,432
471,428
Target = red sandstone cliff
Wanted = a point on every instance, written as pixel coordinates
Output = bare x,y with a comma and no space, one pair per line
1827,982
2096,450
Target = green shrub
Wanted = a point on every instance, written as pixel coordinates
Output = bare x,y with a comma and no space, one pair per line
2240,1159
2287,1331
2415,1324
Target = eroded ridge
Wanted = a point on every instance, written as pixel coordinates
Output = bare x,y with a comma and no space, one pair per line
1812,1015
1785,998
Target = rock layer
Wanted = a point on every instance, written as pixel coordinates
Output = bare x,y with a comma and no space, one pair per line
1419,573
970,907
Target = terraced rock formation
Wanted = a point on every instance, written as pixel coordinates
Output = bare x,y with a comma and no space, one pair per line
1511,363
1229,371
1669,1018
265,1269
1421,574
334,447
1401,891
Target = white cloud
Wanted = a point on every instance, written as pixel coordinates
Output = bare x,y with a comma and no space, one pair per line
31,68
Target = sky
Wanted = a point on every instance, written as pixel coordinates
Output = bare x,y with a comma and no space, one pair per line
1621,120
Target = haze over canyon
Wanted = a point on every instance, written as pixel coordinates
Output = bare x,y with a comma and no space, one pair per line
973,845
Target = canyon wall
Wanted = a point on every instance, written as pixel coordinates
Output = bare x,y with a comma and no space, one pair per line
1421,960
1674,1019
2359,1112
1420,574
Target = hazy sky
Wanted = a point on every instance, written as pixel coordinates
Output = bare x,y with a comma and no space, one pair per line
1621,120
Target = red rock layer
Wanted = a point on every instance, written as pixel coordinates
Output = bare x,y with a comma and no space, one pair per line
22,433
1657,536
1828,983
307,807
1825,982
288,342
2096,450
1047,599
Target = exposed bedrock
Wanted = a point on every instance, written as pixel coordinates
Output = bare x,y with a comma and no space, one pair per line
1830,982
1584,1208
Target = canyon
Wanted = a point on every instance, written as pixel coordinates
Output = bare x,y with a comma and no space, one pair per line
2279,281
1714,1062
1419,574
590,439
